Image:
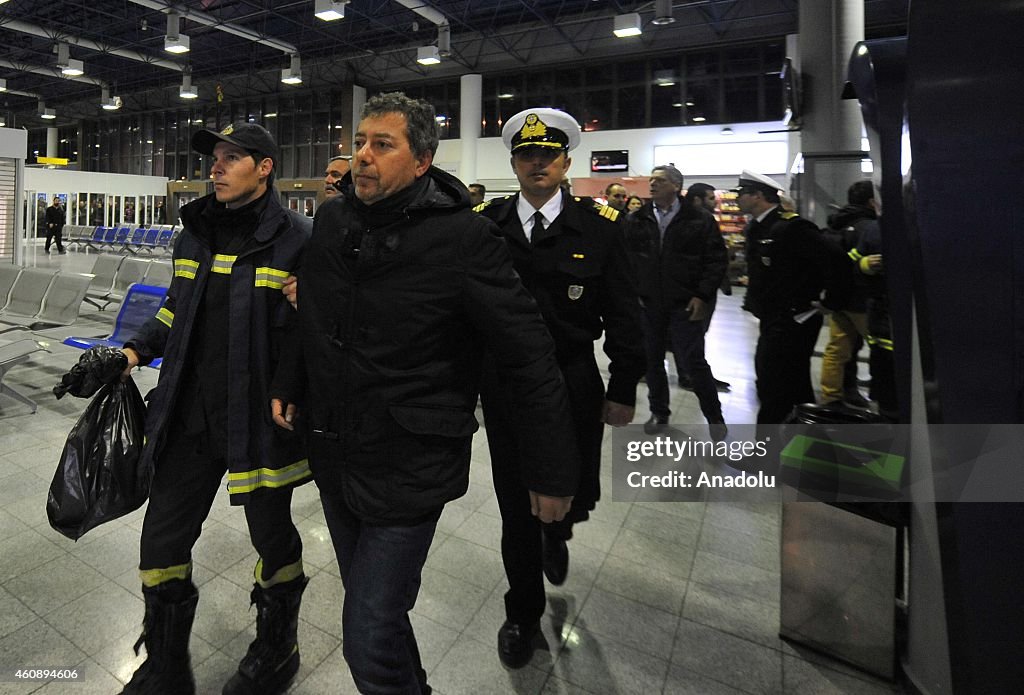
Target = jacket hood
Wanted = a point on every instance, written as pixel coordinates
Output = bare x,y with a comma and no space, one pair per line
849,215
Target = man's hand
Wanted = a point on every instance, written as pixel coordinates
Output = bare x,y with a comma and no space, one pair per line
616,414
549,509
283,415
871,265
133,362
697,308
291,290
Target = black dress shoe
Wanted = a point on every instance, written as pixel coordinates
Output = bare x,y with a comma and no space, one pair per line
655,424
515,643
722,385
856,399
556,559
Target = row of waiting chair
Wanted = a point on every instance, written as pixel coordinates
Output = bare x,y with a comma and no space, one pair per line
35,298
114,274
156,239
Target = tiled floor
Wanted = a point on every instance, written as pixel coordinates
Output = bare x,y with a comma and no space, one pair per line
661,598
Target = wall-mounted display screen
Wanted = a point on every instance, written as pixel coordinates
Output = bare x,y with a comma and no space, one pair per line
609,160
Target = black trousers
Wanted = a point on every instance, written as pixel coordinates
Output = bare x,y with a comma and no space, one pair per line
54,234
521,549
185,483
782,365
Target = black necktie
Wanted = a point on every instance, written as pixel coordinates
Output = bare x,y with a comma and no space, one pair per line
538,226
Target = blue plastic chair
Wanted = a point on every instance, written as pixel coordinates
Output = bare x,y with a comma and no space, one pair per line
140,304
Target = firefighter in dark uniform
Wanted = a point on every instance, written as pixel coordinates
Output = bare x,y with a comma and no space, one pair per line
220,334
571,255
789,265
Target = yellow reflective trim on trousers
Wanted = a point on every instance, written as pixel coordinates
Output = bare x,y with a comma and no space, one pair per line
248,481
285,574
165,317
222,264
883,343
270,277
184,268
161,575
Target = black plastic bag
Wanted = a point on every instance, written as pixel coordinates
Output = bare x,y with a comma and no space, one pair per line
99,477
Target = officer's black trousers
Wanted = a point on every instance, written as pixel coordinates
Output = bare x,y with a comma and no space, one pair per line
782,365
187,476
521,549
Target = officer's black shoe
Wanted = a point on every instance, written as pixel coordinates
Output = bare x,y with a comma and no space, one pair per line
273,657
655,424
515,643
165,632
556,559
722,385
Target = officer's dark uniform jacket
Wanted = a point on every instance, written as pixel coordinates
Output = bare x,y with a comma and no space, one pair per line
689,262
398,302
220,334
789,263
579,272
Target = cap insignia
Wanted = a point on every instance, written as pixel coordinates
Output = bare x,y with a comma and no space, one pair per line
228,130
533,127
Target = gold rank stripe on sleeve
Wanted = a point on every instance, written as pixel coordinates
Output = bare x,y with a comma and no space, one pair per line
855,255
481,206
788,215
184,268
165,316
578,256
222,264
270,277
605,211
247,481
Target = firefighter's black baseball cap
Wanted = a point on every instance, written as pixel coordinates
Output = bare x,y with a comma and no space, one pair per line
251,137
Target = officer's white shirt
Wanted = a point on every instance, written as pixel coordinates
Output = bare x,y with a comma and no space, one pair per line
549,211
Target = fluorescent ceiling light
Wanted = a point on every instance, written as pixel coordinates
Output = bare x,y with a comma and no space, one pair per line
664,78
663,12
175,41
48,114
698,119
330,10
107,102
293,73
427,55
627,25
506,95
74,67
176,44
187,91
270,115
3,83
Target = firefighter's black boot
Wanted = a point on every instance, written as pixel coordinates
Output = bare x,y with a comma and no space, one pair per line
167,670
273,657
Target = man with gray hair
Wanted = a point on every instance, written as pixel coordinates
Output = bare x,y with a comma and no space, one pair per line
404,290
681,260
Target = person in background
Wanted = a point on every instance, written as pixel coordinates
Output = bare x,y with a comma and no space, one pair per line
403,291
477,191
616,196
681,260
160,213
336,169
54,220
634,203
790,265
220,333
848,327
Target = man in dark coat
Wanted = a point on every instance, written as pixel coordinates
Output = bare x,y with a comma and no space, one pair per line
54,221
403,290
681,260
790,264
573,260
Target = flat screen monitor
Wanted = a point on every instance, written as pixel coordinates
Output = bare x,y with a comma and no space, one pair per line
609,160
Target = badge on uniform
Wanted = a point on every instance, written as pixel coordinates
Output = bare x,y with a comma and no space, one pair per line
575,292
